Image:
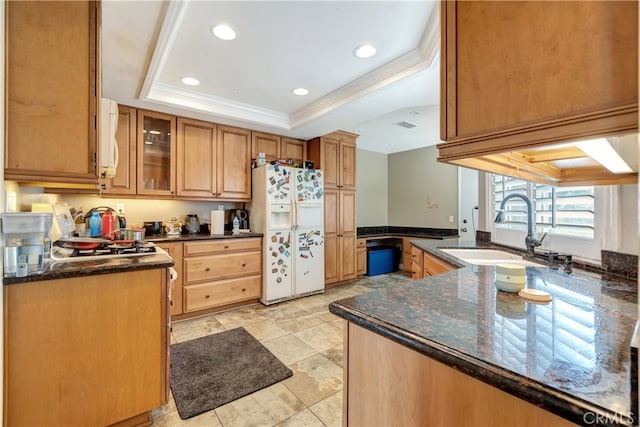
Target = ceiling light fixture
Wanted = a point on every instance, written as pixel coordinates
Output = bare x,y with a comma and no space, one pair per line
300,91
364,51
190,81
224,32
406,124
602,152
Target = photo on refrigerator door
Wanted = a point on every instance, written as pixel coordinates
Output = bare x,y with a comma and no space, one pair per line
278,183
280,260
308,184
309,264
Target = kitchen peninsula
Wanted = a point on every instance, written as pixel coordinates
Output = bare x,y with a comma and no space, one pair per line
452,350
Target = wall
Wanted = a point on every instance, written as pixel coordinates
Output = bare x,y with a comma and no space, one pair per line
422,192
137,211
372,195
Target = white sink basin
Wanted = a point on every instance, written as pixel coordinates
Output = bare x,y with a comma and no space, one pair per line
488,257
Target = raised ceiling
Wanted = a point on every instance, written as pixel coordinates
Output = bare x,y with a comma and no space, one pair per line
147,47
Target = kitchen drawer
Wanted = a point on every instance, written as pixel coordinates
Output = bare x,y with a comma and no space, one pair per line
213,267
222,292
416,256
361,243
222,246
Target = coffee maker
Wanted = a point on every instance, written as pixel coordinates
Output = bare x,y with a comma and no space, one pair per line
243,217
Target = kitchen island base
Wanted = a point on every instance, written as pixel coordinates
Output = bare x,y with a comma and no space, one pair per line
89,350
390,384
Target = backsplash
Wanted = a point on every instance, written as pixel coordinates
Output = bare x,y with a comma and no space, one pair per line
620,264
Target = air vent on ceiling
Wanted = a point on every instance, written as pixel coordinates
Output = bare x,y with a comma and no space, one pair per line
406,124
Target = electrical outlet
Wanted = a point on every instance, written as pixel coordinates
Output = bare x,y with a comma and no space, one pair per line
220,207
451,219
120,208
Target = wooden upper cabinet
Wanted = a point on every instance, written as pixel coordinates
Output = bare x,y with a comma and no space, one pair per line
52,84
347,163
196,156
526,73
156,154
335,154
234,163
293,149
124,182
265,143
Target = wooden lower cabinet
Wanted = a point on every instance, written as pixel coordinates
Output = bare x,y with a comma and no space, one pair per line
221,272
175,251
424,264
89,351
389,384
361,256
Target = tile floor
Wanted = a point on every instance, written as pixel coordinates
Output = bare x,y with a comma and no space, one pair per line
306,337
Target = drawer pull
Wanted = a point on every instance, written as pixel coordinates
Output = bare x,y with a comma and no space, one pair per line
207,269
244,290
226,246
206,296
244,265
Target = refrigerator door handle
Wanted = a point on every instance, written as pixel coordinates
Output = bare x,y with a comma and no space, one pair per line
294,220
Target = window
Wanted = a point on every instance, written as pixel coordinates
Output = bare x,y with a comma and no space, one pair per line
567,211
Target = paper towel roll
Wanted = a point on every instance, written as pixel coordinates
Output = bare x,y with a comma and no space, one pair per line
217,222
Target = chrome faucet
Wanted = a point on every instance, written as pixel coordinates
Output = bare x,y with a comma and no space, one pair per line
530,241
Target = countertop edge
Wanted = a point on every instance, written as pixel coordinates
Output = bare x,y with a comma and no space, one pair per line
561,404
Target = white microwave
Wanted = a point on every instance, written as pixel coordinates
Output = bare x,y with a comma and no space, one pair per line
107,142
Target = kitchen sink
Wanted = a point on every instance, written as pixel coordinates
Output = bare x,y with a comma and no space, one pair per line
489,257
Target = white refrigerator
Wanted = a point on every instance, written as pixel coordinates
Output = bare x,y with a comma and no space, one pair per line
287,206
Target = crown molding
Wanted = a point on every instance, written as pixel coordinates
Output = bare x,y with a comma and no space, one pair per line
419,59
171,95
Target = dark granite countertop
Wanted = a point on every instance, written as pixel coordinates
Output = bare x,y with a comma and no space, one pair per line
417,232
163,238
93,266
570,356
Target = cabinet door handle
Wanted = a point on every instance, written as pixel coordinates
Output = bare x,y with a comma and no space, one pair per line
206,296
244,290
244,265
226,246
207,269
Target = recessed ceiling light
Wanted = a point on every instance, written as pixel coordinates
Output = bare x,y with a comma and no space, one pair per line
364,51
190,81
224,32
300,91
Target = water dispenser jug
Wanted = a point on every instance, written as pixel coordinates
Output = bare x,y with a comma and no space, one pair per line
23,239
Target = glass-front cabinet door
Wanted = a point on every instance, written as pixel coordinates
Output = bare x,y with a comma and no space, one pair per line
156,153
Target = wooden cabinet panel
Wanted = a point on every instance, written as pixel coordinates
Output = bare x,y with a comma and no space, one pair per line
265,143
361,256
293,149
347,164
347,213
523,74
387,383
124,182
330,161
175,251
156,154
331,213
222,292
198,269
434,265
417,260
347,250
331,260
101,340
52,84
234,163
222,246
196,158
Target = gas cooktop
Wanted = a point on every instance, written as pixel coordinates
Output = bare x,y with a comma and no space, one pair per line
117,250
